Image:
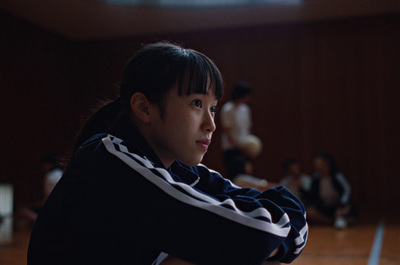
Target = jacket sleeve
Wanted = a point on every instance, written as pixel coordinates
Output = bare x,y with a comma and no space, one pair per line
279,204
344,187
212,222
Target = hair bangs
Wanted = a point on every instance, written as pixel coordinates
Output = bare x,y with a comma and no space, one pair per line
199,75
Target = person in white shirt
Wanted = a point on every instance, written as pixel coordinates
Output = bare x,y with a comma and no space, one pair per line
236,124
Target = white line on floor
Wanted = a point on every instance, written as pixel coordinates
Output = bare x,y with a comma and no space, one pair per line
375,254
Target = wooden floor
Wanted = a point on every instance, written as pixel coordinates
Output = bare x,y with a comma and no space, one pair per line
326,245
351,246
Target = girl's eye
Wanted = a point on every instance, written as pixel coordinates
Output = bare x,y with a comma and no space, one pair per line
197,103
214,109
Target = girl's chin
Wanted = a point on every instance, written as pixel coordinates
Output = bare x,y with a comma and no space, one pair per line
194,161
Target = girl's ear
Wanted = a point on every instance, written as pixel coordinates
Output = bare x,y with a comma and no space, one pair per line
140,107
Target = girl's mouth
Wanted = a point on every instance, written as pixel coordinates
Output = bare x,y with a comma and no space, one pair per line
204,143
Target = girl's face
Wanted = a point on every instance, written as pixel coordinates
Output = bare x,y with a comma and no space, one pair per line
184,132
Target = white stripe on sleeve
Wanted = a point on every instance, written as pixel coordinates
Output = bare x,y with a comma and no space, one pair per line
197,199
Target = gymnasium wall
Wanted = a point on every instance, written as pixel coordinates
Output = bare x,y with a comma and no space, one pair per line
318,86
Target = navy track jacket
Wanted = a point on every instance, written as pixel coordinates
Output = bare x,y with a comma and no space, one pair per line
117,204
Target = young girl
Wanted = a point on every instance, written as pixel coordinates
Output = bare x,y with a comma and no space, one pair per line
134,188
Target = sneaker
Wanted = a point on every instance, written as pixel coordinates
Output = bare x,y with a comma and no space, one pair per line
340,222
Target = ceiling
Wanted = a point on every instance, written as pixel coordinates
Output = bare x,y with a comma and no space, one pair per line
90,20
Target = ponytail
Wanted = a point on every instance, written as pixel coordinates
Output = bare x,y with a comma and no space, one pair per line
99,122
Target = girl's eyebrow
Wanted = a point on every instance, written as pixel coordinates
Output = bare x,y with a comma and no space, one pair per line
202,95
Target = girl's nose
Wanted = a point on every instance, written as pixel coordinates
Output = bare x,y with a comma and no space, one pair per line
209,123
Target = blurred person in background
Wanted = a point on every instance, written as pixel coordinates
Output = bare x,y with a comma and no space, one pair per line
51,168
329,200
244,176
236,123
294,179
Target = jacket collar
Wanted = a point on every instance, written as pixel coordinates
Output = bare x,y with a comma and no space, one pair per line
127,131
184,173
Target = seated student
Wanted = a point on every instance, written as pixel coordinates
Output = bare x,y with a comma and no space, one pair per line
134,189
329,197
50,163
295,180
236,126
242,169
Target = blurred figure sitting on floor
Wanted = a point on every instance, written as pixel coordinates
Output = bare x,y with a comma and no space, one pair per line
50,163
242,169
329,200
295,180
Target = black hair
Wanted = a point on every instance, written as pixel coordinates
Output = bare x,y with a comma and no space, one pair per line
240,90
333,166
153,71
287,163
156,68
99,122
